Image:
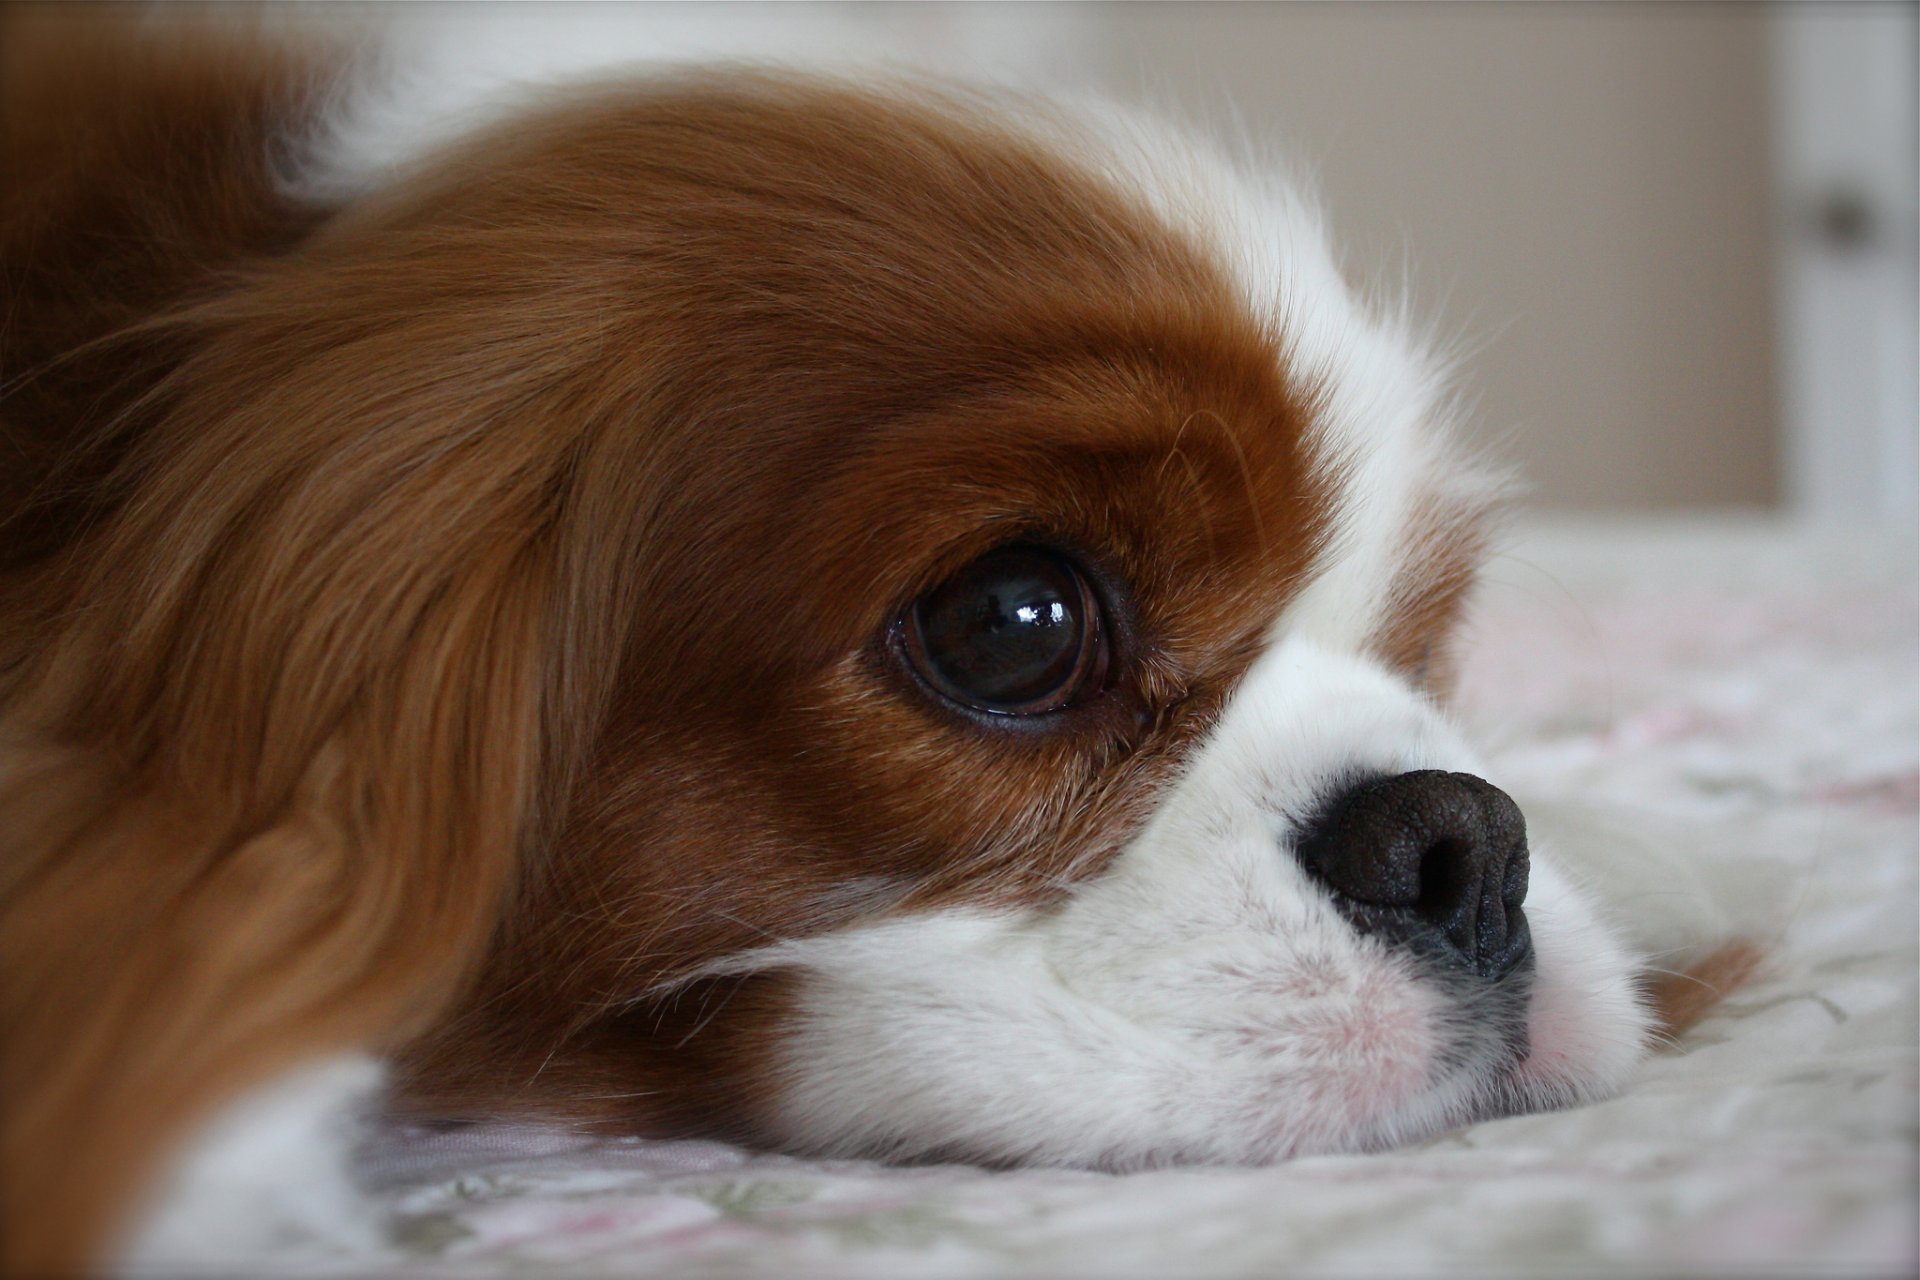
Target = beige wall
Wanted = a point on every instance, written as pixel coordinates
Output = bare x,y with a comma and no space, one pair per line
1580,192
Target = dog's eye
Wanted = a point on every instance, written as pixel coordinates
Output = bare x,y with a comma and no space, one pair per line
1017,632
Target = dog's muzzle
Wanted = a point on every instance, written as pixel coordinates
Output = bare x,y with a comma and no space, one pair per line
1433,860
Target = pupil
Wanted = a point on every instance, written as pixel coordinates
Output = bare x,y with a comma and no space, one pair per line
1005,633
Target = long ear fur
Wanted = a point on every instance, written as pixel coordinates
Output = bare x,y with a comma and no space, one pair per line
169,934
269,691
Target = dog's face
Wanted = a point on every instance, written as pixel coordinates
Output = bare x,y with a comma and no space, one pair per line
859,619
1001,592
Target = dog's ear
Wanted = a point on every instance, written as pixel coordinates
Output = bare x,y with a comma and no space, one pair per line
248,822
270,694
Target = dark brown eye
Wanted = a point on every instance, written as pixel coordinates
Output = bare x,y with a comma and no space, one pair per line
1018,632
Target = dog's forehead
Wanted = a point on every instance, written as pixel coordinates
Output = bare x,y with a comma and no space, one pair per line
900,334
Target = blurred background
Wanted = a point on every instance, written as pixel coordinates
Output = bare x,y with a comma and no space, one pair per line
1677,240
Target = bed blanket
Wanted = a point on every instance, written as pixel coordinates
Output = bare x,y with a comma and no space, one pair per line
1741,693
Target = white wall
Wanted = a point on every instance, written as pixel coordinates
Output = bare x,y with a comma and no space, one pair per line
1845,177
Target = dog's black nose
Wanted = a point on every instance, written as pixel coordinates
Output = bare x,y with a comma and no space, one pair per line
1428,856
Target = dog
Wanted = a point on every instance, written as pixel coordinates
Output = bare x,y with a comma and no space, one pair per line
856,616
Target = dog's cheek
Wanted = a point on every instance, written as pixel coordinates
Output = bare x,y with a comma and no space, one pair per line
1588,1026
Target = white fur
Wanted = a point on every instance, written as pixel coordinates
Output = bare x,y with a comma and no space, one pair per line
267,1183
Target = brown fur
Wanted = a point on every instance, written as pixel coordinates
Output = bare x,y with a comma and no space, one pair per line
184,115
1680,1000
436,627
1445,544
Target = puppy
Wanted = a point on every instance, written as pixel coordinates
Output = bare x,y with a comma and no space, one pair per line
842,615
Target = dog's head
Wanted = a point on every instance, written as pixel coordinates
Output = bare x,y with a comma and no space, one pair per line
854,618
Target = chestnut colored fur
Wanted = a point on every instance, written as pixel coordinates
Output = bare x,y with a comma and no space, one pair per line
1682,998
270,718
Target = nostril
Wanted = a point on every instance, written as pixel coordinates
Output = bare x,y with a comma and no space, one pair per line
1428,854
1446,872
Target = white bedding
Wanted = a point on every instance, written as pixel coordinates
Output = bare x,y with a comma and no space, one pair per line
1741,695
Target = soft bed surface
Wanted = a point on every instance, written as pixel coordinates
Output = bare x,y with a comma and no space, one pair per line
1740,696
